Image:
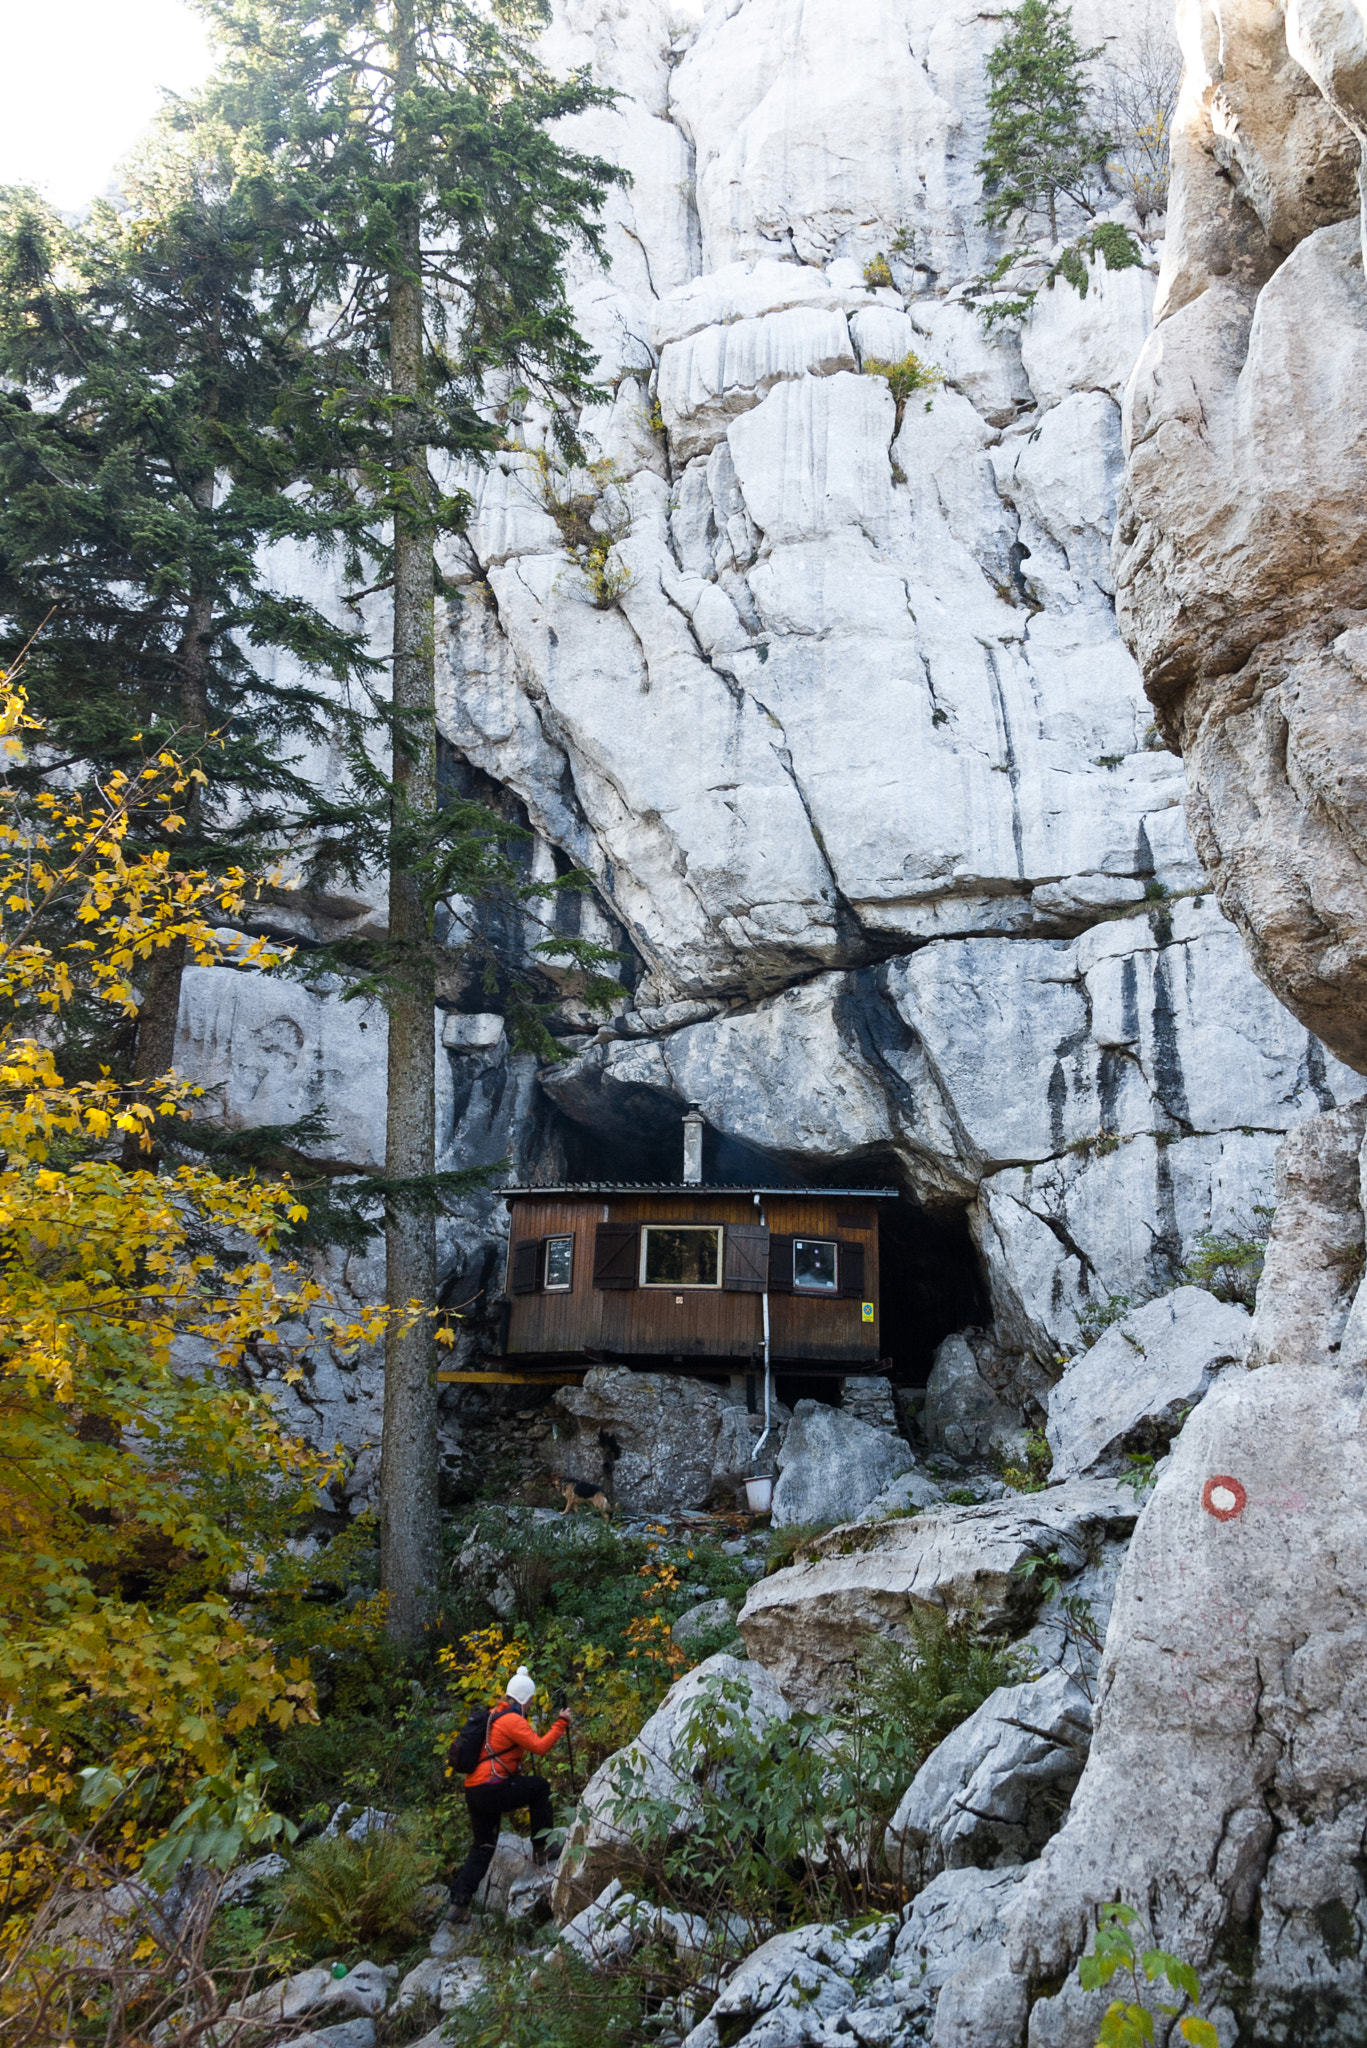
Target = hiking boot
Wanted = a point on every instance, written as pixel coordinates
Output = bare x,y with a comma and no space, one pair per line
543,1857
458,1913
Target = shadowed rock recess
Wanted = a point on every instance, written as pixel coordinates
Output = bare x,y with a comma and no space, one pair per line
911,889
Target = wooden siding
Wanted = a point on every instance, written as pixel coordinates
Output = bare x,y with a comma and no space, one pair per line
707,1322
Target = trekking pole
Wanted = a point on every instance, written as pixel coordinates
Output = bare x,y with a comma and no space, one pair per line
569,1745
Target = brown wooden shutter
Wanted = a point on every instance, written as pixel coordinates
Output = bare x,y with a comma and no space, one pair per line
747,1259
616,1253
527,1266
851,1271
780,1264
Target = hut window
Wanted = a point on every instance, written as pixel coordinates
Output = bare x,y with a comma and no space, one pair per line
681,1255
559,1265
814,1264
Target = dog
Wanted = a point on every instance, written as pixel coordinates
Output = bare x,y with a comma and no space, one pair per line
578,1491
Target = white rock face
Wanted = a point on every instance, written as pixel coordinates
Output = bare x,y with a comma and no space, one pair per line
860,697
997,1787
1131,1390
1238,551
1154,1078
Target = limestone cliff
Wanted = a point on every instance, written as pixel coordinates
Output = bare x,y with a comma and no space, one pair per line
1240,557
828,695
845,732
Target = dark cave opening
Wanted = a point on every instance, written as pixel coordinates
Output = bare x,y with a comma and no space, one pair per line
931,1284
931,1281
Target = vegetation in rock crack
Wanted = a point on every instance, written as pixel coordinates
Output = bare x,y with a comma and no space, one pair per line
1042,146
877,273
1033,1474
1097,1317
1129,2021
909,374
1140,1474
1227,1265
1073,1616
591,519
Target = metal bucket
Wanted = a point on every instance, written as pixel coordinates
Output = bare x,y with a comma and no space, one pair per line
759,1495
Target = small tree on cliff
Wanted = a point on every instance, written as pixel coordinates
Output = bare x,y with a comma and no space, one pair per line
1041,144
413,211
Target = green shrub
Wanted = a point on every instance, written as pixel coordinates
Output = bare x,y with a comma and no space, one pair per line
375,1744
1129,2022
877,275
904,377
1039,1463
1227,1266
925,1688
341,1896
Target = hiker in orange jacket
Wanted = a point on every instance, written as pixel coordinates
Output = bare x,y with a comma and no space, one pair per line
499,1785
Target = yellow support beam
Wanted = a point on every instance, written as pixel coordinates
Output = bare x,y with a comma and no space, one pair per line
514,1379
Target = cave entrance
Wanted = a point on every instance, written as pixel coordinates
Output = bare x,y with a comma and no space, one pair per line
931,1283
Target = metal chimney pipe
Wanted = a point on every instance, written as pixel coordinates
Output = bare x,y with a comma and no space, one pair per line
692,1124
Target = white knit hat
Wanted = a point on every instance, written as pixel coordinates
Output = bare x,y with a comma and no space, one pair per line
522,1686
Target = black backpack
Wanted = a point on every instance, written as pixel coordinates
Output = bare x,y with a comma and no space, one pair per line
468,1747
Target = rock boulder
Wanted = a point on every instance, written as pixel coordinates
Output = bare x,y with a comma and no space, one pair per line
951,1950
1131,1391
655,1441
963,1413
783,1993
806,1623
1224,1780
831,1465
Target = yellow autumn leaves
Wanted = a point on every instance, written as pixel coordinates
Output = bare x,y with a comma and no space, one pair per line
140,1466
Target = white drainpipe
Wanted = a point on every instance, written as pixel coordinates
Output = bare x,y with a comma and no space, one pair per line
768,1425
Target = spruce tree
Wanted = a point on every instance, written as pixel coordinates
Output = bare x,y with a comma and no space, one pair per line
413,208
1041,144
147,463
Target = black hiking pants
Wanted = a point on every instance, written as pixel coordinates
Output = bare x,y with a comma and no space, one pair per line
487,1805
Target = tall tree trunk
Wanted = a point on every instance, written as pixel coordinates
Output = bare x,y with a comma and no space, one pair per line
409,1536
159,1011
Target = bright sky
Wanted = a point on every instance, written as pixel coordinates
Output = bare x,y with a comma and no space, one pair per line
82,81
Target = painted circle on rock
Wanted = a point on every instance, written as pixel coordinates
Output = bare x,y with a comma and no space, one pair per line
1223,1497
